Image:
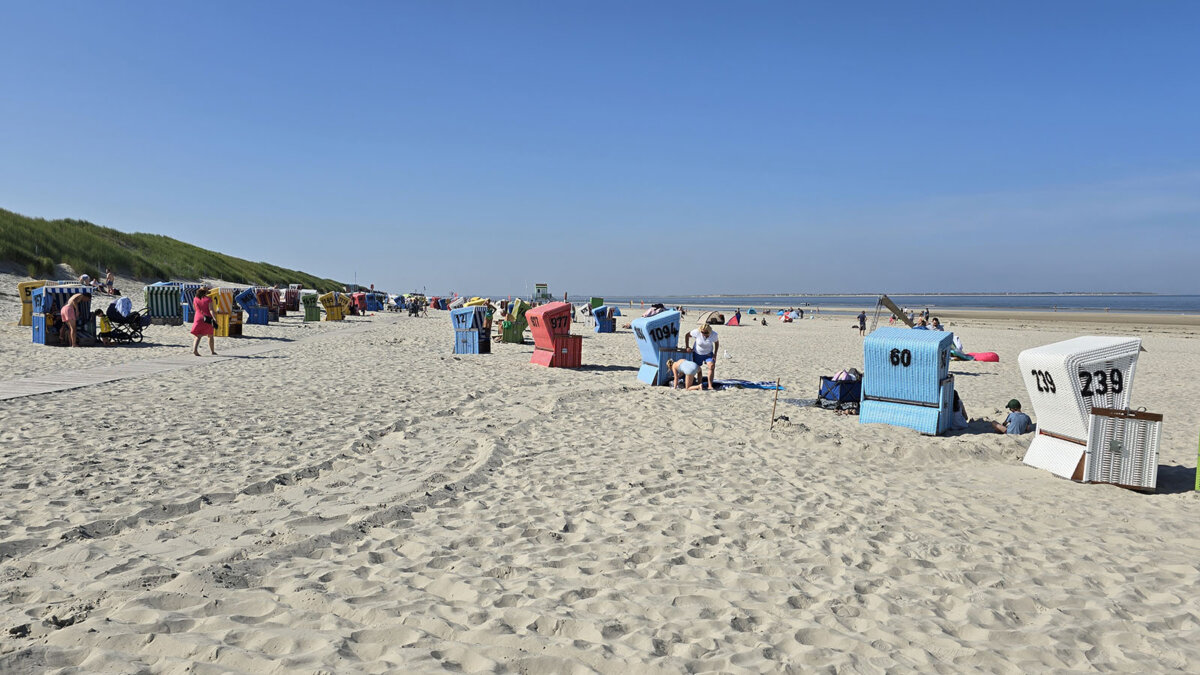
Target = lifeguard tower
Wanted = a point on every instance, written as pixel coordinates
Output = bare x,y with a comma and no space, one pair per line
658,342
907,380
1066,381
602,319
553,345
541,294
470,335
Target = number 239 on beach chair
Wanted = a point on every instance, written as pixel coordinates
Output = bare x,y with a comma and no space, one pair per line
1066,380
553,345
658,342
907,380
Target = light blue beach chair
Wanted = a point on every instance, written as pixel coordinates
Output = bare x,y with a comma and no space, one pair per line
907,380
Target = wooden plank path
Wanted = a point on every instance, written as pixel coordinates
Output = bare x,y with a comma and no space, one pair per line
74,379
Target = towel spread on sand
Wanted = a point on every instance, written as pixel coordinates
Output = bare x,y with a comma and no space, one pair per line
746,384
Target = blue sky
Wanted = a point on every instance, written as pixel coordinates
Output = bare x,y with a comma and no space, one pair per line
622,148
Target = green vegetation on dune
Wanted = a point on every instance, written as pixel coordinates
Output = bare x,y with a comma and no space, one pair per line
40,244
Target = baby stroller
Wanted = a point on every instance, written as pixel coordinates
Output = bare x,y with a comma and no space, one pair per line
125,329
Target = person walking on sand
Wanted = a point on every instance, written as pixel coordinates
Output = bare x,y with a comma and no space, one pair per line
204,322
862,322
69,313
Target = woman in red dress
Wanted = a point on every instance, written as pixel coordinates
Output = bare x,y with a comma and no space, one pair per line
203,322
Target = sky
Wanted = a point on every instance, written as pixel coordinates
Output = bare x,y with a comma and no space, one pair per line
624,148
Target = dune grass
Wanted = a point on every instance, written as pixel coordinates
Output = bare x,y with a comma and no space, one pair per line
40,244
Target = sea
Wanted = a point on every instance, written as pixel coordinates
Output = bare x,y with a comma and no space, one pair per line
1125,303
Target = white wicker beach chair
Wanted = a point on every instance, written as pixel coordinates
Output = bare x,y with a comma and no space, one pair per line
1066,380
1122,448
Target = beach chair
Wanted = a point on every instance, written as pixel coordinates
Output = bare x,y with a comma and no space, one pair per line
311,311
553,345
25,291
907,380
46,303
187,295
1066,381
256,314
470,336
513,328
226,312
1122,448
335,304
162,303
291,297
593,303
658,342
602,320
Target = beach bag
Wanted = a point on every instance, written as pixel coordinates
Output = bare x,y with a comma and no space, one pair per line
840,391
208,320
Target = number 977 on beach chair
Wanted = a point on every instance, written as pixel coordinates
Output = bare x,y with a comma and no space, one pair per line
1066,380
658,342
907,380
553,345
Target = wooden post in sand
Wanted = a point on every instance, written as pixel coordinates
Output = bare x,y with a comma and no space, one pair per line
774,404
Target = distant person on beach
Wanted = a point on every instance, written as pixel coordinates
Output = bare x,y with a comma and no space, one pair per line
1016,423
705,350
203,322
934,324
688,370
920,325
862,322
69,313
109,280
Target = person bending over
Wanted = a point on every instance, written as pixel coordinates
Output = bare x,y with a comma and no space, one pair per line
688,370
69,314
1016,423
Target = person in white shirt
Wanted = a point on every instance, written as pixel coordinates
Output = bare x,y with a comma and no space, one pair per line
705,350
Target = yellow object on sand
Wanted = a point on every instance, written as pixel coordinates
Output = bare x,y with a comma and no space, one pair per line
25,290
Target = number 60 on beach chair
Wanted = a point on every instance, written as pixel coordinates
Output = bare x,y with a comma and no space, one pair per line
907,380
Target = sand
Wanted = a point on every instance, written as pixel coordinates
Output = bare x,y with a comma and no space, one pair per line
370,502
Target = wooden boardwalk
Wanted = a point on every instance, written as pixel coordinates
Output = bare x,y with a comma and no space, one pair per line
74,379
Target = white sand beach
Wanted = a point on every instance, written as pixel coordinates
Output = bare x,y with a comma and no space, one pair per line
370,502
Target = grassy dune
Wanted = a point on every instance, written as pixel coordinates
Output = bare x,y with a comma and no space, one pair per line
40,244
